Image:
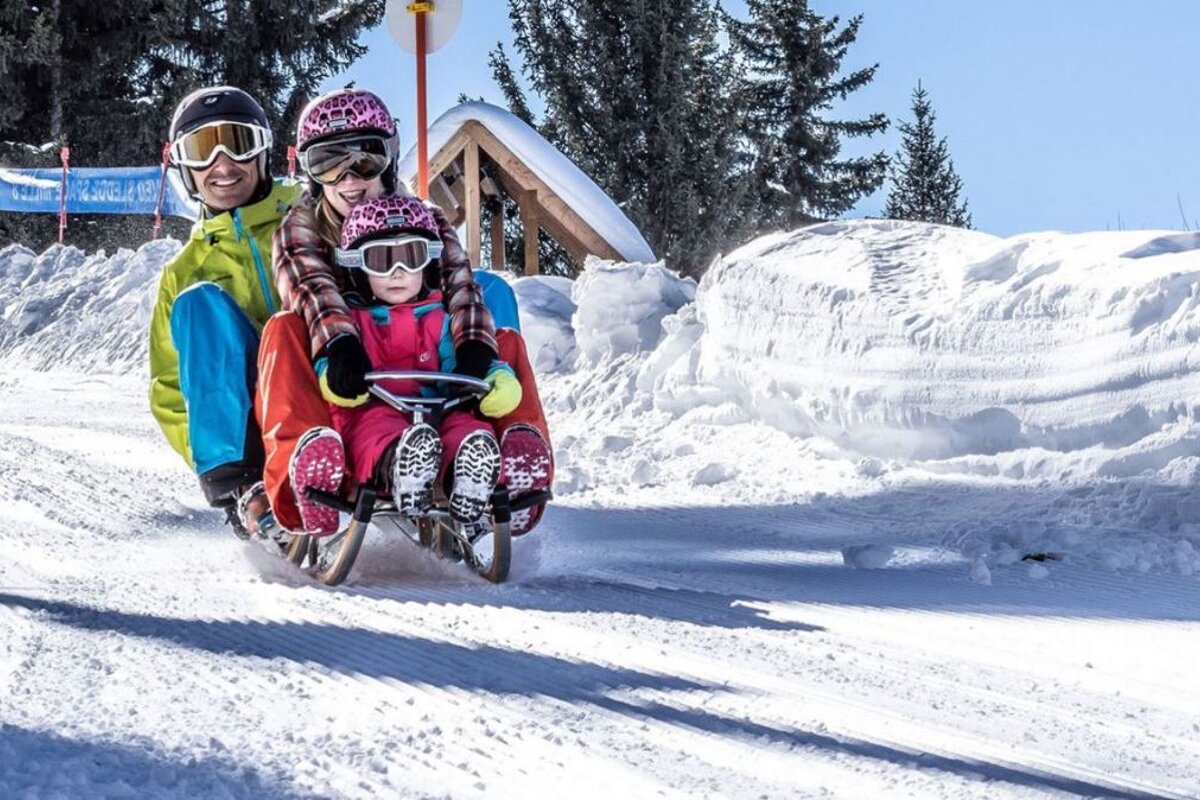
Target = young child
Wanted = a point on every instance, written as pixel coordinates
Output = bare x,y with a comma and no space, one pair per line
389,247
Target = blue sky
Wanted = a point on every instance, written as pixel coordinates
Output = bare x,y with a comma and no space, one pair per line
1060,114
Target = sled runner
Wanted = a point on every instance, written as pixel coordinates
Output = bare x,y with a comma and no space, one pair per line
485,546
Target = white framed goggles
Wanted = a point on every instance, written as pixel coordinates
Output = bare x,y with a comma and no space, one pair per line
383,257
200,147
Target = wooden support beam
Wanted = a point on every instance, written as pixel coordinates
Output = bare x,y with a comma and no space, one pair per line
560,220
497,230
528,202
540,206
458,195
441,194
439,162
471,170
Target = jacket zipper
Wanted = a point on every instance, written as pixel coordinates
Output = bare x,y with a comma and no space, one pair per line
258,264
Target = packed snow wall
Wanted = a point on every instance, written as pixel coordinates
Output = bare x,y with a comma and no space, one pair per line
890,339
999,397
910,340
71,310
1051,377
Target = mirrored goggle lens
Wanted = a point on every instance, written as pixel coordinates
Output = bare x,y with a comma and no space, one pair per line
384,258
364,166
366,158
200,147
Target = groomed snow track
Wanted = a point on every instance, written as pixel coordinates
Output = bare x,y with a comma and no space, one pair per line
683,650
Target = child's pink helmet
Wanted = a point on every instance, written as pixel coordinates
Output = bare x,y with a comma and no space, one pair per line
343,111
387,214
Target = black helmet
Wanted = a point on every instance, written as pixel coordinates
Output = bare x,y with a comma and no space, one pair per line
216,104
221,104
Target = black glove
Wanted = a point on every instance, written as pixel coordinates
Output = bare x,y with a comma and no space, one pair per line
347,366
474,358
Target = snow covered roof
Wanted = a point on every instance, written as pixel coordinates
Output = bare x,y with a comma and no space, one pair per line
559,173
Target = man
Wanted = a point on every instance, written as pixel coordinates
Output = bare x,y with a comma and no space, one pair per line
215,296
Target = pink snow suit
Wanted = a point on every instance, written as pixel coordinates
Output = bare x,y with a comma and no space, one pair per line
408,336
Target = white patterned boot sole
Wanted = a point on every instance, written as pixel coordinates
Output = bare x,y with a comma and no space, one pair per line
415,467
476,469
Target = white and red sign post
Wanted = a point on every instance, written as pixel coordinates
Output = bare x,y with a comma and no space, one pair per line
422,28
64,155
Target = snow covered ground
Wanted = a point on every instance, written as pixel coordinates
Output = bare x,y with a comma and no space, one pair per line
785,558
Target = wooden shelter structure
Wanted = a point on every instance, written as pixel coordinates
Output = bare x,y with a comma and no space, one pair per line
475,166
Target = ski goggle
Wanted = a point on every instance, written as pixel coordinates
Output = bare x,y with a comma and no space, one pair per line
199,148
365,156
383,257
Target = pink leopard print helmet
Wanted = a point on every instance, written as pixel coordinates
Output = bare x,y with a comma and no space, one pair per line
343,111
387,213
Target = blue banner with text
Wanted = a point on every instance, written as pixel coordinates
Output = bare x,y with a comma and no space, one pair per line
93,190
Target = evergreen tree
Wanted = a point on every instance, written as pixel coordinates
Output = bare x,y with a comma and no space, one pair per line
637,94
925,186
793,58
506,79
75,77
278,51
28,41
106,76
553,259
107,115
71,78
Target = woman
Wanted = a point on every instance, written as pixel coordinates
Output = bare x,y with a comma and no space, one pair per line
348,148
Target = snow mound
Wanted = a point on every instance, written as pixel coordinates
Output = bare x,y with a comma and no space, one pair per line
65,308
620,307
546,311
950,389
1055,375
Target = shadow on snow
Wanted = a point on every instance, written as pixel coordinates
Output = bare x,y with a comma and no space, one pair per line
791,553
487,669
43,764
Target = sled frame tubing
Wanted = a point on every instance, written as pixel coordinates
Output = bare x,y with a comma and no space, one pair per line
332,563
435,530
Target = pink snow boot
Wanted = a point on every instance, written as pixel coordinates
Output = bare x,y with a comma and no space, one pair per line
527,467
319,462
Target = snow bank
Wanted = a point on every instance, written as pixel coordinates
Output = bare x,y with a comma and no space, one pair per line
67,309
916,341
900,340
998,397
1056,370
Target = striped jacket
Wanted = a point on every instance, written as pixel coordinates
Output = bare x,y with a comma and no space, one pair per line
309,284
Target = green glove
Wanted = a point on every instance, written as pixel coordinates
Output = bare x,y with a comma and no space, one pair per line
505,395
